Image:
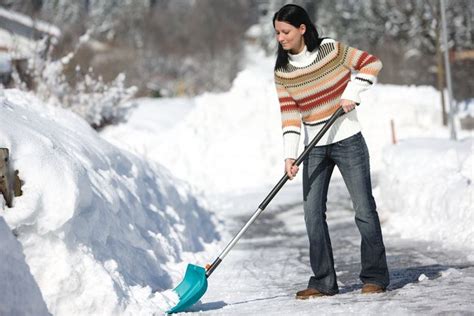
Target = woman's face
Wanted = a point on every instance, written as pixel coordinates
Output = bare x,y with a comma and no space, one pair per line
290,37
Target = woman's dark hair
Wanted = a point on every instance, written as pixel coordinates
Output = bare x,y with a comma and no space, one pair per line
296,15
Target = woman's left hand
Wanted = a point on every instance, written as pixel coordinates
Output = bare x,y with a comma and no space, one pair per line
347,105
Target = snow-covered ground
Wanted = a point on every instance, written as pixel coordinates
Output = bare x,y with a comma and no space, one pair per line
103,225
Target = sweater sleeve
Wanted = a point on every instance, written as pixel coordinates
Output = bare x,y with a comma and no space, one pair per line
366,66
291,121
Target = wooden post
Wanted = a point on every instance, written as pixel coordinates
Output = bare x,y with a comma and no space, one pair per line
4,183
392,127
10,183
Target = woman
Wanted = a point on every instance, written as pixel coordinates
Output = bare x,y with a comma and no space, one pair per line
313,79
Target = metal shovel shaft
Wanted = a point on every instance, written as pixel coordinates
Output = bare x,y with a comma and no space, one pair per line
274,191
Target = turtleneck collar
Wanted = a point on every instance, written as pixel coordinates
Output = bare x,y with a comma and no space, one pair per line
303,58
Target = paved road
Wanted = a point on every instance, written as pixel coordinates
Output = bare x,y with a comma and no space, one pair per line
262,273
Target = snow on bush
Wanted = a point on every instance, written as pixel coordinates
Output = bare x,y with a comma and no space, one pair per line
100,228
98,102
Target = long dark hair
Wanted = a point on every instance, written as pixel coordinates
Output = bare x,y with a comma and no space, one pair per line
296,15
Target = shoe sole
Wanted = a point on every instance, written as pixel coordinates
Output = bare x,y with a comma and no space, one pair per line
311,296
308,297
374,292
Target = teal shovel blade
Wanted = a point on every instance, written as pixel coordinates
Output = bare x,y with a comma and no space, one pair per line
191,289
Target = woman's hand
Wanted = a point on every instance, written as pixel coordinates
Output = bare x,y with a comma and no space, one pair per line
347,105
290,169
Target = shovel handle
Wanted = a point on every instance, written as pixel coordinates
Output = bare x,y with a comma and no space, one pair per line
302,156
274,191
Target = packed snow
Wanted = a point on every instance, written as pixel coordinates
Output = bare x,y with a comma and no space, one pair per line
109,231
19,293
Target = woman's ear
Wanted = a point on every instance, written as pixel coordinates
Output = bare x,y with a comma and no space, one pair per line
302,29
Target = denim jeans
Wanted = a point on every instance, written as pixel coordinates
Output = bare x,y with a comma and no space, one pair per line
351,156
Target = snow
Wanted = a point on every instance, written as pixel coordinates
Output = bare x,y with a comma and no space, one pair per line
101,229
16,46
27,21
271,263
5,63
19,293
19,46
106,229
427,186
228,142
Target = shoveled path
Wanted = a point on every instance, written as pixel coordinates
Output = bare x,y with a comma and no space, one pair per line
262,273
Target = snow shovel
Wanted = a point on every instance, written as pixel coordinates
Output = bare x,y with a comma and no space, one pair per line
194,284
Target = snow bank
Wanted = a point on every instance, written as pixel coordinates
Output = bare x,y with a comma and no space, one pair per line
427,189
414,110
226,142
100,227
19,293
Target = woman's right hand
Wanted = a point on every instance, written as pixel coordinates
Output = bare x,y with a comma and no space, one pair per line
290,169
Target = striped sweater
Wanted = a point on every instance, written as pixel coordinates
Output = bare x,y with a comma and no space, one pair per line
311,86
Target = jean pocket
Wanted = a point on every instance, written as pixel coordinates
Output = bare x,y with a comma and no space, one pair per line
353,140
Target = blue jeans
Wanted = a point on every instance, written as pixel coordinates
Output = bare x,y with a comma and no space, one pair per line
351,156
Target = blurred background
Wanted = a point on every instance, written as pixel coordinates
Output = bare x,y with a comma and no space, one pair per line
84,52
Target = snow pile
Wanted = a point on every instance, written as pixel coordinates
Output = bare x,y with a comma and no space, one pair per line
100,228
414,110
427,187
228,141
19,293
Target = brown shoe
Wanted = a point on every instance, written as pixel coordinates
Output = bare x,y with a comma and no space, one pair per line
370,288
308,293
